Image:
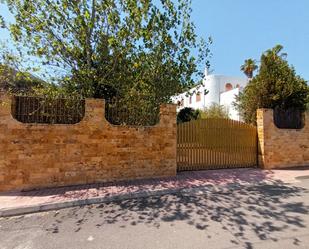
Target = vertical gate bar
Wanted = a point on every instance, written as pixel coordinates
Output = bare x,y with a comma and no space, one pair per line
231,144
234,144
214,144
205,152
225,148
236,147
240,145
207,144
178,146
228,159
217,144
198,143
186,145
201,143
189,144
183,147
181,144
192,144
210,145
223,137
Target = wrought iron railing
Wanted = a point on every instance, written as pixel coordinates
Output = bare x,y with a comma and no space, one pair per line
291,118
47,110
138,112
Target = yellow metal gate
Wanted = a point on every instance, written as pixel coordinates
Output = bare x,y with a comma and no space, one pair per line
216,143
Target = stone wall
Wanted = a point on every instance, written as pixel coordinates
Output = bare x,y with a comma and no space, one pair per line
281,148
42,155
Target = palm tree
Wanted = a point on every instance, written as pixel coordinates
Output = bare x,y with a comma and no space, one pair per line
275,52
249,67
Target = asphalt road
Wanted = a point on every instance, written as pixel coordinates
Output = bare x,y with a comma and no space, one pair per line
272,215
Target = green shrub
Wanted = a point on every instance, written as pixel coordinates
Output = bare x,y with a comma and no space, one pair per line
187,114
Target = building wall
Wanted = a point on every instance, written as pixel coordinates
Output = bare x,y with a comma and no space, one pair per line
227,100
217,94
234,81
280,148
39,155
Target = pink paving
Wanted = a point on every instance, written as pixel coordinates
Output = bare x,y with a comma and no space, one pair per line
183,180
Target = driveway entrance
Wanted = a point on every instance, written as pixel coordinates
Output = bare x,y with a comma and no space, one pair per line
216,143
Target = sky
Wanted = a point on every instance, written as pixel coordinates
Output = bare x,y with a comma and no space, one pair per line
244,29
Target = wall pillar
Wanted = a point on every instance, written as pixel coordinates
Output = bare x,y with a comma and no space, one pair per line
5,106
281,148
261,139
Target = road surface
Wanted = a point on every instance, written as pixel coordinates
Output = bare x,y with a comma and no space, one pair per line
269,215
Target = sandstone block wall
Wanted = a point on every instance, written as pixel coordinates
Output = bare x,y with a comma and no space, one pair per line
280,148
42,155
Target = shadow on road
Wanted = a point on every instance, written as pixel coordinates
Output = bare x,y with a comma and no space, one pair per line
260,210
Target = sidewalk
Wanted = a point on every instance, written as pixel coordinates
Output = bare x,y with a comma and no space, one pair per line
17,203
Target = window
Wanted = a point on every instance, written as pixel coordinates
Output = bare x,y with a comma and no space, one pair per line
228,86
198,97
190,100
180,103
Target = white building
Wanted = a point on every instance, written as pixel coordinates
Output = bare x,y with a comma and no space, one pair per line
218,89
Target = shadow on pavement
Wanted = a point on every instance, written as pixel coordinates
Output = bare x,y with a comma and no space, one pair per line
186,179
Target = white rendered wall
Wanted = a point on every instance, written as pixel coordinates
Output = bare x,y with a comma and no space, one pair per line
212,84
186,97
235,81
227,100
216,87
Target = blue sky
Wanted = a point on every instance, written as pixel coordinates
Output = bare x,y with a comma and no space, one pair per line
244,29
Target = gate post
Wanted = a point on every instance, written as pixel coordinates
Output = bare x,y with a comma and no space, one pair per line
260,122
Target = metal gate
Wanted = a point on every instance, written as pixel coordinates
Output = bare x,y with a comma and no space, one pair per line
216,143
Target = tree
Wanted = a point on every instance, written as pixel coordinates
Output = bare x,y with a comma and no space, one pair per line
104,48
275,85
214,111
13,78
249,67
17,82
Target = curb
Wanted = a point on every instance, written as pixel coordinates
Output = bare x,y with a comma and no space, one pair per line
7,212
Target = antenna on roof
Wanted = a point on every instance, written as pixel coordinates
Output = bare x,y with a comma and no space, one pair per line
206,72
